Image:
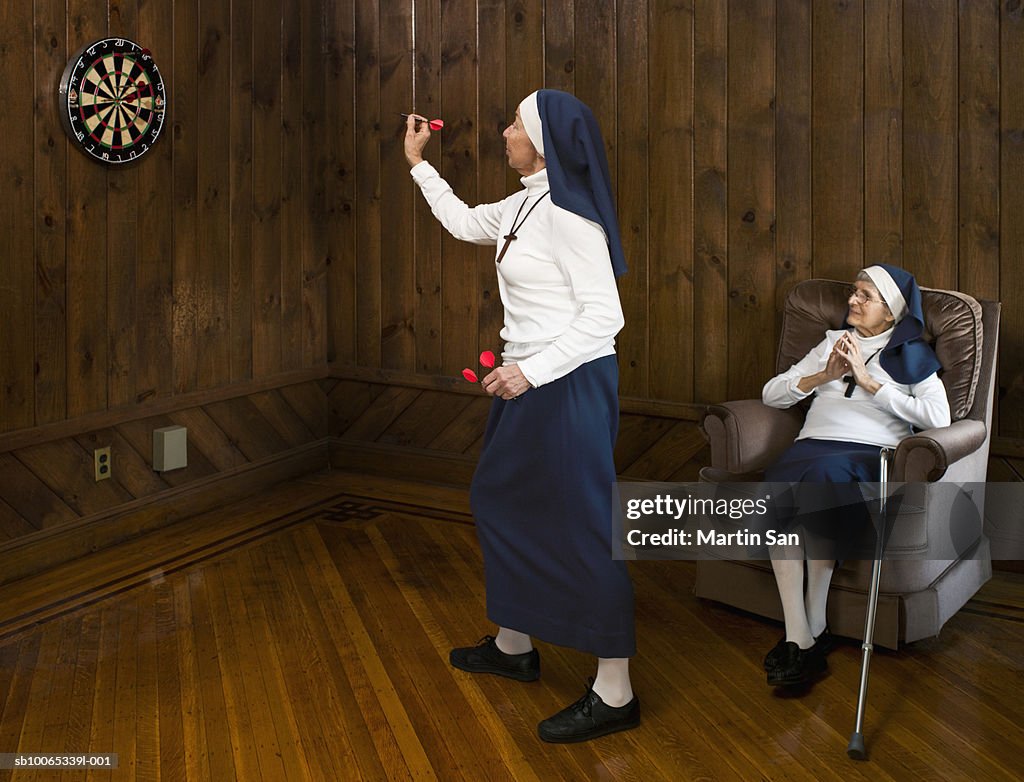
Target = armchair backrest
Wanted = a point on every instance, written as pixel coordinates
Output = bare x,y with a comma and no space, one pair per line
954,326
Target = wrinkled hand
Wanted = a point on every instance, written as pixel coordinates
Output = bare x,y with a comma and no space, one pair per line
837,365
416,138
506,382
850,351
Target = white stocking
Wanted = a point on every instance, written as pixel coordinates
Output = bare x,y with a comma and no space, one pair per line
612,682
512,641
789,576
819,576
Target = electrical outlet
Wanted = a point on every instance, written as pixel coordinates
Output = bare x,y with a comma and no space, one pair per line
101,463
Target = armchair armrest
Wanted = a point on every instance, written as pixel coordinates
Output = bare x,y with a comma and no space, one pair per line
927,455
747,435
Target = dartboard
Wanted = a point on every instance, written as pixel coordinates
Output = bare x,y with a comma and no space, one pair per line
112,100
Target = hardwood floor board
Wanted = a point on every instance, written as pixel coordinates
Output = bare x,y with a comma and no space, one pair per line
172,548
413,665
747,639
9,653
768,731
55,710
262,592
80,699
304,634
101,735
504,708
147,699
375,648
250,665
197,765
446,616
420,596
356,733
45,674
16,701
126,676
888,695
237,713
310,683
379,705
169,684
748,746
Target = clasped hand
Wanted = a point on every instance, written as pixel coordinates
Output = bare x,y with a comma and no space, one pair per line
848,351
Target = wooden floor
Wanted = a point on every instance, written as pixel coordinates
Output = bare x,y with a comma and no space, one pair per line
304,635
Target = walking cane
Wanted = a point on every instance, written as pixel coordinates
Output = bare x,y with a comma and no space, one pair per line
855,749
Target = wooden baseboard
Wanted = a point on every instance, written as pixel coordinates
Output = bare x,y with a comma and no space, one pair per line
48,548
393,461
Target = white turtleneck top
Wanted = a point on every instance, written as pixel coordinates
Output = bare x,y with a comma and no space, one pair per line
883,418
556,282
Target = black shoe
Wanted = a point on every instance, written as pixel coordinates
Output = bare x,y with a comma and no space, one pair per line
486,657
822,644
797,666
589,718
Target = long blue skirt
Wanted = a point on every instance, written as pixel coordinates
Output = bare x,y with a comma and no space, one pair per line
829,472
542,499
826,461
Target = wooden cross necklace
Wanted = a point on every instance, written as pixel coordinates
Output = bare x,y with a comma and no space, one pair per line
511,236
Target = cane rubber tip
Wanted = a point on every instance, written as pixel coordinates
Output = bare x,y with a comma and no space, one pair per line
856,750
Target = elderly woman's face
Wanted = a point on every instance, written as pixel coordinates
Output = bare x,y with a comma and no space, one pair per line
868,312
521,154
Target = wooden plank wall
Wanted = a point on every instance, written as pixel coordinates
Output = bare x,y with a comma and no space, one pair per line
435,433
753,143
201,266
52,508
274,229
188,288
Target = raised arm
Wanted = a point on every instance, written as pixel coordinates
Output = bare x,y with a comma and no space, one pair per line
479,224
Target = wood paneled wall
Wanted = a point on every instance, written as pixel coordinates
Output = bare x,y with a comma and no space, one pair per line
52,509
274,227
189,287
753,143
201,266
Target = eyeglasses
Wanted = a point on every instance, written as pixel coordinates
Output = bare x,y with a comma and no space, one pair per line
861,297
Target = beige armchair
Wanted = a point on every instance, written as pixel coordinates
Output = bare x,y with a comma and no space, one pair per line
917,595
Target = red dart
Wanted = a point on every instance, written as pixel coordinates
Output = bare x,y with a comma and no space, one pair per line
487,359
470,375
434,124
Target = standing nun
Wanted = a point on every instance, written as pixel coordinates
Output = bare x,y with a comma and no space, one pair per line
542,491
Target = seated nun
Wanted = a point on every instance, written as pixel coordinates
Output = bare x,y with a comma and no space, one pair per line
872,382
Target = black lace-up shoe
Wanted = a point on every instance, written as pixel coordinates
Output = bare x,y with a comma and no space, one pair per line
797,666
823,644
589,718
486,657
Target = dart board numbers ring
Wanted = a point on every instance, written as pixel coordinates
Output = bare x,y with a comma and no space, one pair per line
112,101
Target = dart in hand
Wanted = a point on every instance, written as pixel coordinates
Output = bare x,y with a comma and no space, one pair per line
434,124
486,359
